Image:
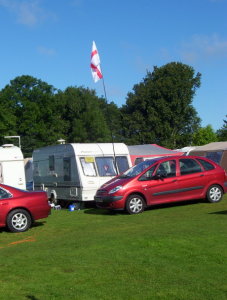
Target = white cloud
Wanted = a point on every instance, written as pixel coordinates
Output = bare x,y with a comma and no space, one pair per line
202,47
27,12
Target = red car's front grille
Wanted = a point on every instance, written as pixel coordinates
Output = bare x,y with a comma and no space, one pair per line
101,192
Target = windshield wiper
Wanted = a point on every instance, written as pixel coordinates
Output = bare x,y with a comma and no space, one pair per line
124,176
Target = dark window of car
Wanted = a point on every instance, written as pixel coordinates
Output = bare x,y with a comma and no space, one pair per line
138,169
51,162
148,175
122,163
167,168
106,166
189,166
138,160
4,194
207,166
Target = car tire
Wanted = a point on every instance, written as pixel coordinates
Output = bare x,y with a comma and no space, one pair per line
135,204
18,220
214,194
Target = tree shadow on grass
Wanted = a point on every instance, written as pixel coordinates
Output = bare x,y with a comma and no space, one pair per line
223,212
173,204
31,297
38,224
35,224
107,212
103,212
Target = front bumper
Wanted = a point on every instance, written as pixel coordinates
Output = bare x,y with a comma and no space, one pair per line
107,199
110,202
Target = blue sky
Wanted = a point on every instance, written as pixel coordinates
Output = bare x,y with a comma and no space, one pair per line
51,40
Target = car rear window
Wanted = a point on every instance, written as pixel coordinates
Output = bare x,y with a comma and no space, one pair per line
189,166
4,194
207,166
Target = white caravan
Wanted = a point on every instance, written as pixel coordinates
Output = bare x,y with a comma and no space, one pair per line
76,171
12,166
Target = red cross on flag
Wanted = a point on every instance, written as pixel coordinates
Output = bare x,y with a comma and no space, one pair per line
95,64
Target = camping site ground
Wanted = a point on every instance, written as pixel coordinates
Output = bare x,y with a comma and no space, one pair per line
176,251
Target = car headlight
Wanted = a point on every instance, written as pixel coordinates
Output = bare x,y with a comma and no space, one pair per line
114,190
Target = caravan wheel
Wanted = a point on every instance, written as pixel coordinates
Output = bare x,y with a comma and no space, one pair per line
53,199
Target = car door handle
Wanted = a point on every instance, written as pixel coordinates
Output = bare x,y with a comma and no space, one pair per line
201,175
174,180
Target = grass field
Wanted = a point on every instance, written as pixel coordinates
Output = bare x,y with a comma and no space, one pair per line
168,252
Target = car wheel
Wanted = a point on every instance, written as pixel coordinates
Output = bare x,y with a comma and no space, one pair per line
135,204
214,193
18,220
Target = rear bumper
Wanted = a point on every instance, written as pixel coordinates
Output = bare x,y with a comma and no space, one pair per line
225,187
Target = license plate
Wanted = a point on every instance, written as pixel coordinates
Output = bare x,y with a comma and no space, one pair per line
98,200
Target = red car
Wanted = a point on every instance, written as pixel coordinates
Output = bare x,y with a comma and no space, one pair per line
163,180
19,208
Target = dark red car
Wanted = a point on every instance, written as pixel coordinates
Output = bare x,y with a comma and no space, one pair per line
163,180
19,208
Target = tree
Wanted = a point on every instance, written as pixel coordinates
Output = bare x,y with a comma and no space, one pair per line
222,133
82,112
35,116
204,135
114,120
159,110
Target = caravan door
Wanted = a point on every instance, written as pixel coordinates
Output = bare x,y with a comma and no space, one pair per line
96,165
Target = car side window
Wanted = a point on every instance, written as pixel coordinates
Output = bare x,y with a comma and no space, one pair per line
168,168
189,166
4,194
148,175
207,166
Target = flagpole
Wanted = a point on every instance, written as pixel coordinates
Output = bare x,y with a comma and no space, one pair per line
111,131
97,74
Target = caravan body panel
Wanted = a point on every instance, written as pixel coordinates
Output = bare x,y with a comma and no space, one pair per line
76,171
12,166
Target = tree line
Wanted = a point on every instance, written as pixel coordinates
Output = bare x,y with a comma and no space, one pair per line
158,110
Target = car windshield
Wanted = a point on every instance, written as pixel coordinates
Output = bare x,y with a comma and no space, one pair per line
138,169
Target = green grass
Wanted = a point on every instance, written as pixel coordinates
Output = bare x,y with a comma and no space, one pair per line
167,252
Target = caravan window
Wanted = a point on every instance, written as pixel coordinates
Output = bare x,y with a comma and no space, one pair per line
88,166
51,162
106,166
67,169
122,163
138,160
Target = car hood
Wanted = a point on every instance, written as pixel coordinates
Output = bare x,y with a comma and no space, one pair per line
115,182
